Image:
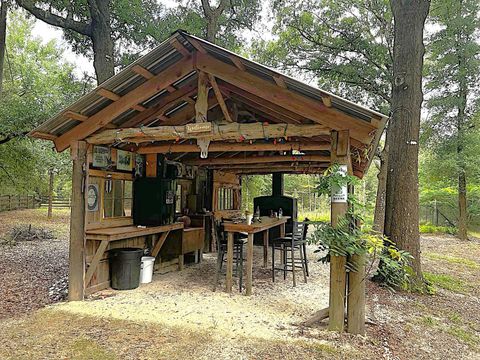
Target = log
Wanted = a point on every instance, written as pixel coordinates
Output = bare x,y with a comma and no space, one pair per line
259,160
234,147
234,131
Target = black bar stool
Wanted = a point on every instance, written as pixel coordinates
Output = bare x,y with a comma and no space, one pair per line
289,247
238,258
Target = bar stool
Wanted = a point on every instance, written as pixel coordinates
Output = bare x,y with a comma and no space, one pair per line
289,247
238,258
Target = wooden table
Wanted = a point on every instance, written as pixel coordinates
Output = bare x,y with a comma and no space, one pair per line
108,235
256,227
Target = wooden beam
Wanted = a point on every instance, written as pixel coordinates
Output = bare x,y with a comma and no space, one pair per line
284,170
187,114
302,105
141,93
220,132
201,105
140,70
237,62
196,44
159,243
262,104
233,147
76,269
259,160
44,136
280,81
112,96
327,101
180,48
157,110
269,166
75,116
338,277
220,99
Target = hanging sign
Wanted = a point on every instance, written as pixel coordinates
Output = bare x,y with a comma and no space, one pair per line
124,160
92,197
340,193
101,156
199,127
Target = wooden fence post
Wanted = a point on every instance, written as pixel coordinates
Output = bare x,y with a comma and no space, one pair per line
50,193
76,272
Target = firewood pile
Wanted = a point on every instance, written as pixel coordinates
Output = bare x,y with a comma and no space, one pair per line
26,233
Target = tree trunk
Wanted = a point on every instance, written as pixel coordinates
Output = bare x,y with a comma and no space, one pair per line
3,36
103,47
461,166
379,215
401,216
50,193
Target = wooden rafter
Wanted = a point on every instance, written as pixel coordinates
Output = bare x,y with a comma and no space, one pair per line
42,135
140,70
290,100
180,48
262,104
139,94
112,96
233,131
220,99
237,62
280,81
234,147
197,45
75,116
157,111
187,114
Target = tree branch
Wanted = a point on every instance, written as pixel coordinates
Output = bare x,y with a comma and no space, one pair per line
8,137
55,20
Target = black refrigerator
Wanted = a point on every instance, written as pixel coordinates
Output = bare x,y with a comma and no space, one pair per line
153,201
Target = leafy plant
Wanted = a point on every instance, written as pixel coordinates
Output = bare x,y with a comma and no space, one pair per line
347,238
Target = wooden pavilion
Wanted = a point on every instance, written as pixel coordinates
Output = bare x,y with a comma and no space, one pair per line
212,115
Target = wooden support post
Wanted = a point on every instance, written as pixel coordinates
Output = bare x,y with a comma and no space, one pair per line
356,297
201,105
76,272
228,281
265,248
339,152
249,265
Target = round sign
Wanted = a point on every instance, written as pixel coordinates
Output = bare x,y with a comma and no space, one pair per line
92,197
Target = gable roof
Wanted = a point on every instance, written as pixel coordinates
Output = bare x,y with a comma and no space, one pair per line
160,88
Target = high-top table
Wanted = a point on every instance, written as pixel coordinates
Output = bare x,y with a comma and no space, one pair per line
264,225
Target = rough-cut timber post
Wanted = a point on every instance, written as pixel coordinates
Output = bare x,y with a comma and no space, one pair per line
76,272
356,297
340,155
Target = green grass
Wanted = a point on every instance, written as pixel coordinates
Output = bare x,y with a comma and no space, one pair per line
86,349
432,229
315,216
453,260
463,335
446,282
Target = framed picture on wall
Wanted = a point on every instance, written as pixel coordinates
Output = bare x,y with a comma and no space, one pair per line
124,160
101,156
